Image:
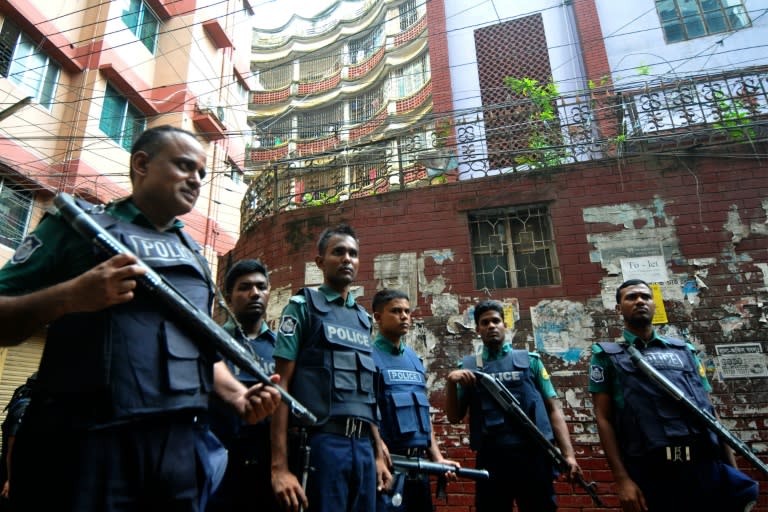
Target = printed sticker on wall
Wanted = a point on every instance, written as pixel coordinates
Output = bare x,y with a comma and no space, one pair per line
660,317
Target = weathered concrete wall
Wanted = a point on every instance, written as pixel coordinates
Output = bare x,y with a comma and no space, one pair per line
707,216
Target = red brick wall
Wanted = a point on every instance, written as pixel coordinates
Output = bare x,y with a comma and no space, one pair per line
701,202
442,100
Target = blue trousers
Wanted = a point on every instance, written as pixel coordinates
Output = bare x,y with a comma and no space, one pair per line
343,475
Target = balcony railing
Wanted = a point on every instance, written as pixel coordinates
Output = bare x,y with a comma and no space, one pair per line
591,125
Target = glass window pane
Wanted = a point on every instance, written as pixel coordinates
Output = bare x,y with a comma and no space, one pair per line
49,85
715,22
111,114
667,10
738,17
130,15
148,33
694,27
8,38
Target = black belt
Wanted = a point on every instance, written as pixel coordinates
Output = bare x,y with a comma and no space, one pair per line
684,453
419,451
346,426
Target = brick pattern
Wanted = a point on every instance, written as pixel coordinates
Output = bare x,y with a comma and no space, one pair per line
515,48
269,154
358,71
368,127
326,84
270,97
415,100
311,147
698,200
411,32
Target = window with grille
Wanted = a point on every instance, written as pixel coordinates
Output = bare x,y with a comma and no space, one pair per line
313,68
273,132
321,123
142,22
410,78
361,49
408,14
25,65
411,147
15,210
688,19
364,107
275,78
513,248
121,121
368,168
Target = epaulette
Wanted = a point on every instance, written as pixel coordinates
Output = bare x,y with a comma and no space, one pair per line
535,354
298,299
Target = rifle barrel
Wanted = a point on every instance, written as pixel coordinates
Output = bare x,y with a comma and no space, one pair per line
710,421
198,324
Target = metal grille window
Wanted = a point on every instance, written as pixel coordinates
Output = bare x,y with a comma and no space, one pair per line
361,49
369,168
411,78
314,68
367,105
513,248
408,14
25,65
273,132
689,19
272,79
121,121
321,123
15,210
142,22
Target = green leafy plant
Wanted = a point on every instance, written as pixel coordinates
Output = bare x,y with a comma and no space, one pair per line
734,117
544,139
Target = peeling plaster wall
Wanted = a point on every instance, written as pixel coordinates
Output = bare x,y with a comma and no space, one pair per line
706,221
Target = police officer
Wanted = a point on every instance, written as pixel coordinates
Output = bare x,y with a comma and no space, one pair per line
113,420
662,460
520,471
246,290
406,425
323,354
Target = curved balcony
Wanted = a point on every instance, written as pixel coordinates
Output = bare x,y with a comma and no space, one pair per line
368,127
269,154
357,71
411,32
415,100
314,146
270,97
323,85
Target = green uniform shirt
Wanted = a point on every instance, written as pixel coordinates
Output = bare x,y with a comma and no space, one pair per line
294,321
385,345
603,377
54,252
539,373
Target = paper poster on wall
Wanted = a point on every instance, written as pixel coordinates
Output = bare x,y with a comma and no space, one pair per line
660,317
312,274
651,269
741,360
509,315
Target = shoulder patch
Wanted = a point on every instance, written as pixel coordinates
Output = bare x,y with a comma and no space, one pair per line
596,374
288,325
28,246
544,373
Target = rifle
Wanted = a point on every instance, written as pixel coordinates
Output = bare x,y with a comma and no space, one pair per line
199,325
705,417
403,465
305,451
511,406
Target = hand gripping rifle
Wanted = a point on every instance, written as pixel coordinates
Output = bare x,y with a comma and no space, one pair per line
708,419
511,406
198,324
403,465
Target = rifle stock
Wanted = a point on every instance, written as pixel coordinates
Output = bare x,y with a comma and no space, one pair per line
709,421
511,406
199,325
